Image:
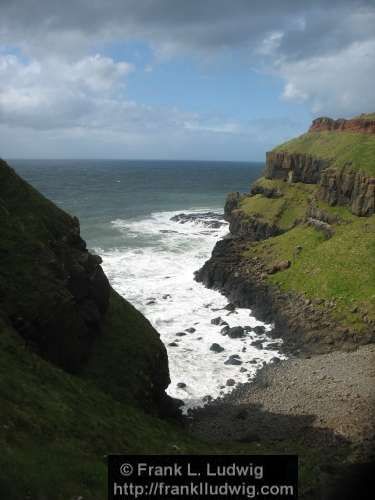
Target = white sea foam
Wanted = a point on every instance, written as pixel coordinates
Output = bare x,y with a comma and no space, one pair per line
157,277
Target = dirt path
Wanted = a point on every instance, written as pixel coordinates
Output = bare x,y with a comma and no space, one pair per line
325,398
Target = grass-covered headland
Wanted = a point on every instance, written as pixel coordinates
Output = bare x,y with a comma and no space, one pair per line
318,195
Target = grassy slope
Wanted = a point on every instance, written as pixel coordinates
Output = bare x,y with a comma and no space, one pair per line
339,147
366,116
27,221
282,211
340,269
122,356
55,430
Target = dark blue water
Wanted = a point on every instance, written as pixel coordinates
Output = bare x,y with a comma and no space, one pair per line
99,191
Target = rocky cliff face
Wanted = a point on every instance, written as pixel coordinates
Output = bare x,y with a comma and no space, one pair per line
271,263
347,187
294,167
69,292
243,226
337,186
54,293
358,125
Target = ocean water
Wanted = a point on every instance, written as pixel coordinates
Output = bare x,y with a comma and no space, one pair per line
126,210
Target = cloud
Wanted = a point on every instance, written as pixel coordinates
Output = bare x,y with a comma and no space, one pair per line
308,27
55,93
339,83
54,78
288,38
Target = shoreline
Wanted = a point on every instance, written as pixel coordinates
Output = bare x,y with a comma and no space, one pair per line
328,396
306,326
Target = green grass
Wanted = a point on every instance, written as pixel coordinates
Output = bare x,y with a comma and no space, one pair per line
341,148
282,211
127,361
56,429
341,268
366,116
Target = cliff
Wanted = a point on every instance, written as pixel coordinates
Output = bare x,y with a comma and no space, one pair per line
364,123
82,373
300,249
300,254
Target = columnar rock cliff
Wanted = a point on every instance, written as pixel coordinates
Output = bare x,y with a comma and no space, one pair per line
347,187
294,167
299,249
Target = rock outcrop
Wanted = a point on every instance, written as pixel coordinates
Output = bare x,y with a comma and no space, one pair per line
338,186
232,202
348,187
294,167
358,125
243,269
251,227
305,325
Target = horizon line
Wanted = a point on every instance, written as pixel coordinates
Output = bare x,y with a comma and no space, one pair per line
134,159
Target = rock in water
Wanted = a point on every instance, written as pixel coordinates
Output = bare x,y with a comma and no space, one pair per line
208,219
259,329
224,330
216,348
236,332
234,359
218,321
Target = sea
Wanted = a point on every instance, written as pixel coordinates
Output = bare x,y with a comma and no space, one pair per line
155,223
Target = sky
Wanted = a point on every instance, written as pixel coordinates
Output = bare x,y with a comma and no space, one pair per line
178,79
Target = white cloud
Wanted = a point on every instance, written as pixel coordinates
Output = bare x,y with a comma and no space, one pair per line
270,43
341,83
55,93
216,128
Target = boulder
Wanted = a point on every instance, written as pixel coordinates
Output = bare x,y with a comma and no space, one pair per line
279,266
234,359
236,332
224,330
272,345
259,330
275,360
216,348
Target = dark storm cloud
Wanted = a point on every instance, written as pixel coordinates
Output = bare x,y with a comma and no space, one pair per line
308,28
